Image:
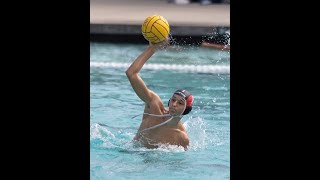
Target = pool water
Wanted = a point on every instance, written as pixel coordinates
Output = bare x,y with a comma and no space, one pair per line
203,72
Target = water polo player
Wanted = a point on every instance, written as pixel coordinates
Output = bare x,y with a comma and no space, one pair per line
159,125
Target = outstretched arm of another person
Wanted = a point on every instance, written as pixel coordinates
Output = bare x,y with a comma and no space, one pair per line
216,46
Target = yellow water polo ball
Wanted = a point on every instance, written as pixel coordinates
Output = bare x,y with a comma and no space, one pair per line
155,29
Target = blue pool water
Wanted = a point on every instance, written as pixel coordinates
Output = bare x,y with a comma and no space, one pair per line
113,103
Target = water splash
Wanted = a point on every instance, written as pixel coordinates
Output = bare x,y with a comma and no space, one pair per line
196,129
183,43
122,139
104,137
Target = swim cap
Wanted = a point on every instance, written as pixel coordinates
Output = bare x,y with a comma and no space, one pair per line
188,97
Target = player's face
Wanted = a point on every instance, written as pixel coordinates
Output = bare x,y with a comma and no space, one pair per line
177,105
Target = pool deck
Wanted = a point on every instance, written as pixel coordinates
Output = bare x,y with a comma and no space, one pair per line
109,17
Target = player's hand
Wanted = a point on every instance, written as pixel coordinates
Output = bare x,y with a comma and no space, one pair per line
161,45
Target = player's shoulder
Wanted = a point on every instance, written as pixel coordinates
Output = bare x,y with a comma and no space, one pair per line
154,96
181,134
183,138
184,135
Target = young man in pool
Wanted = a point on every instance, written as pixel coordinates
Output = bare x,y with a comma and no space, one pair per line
159,125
